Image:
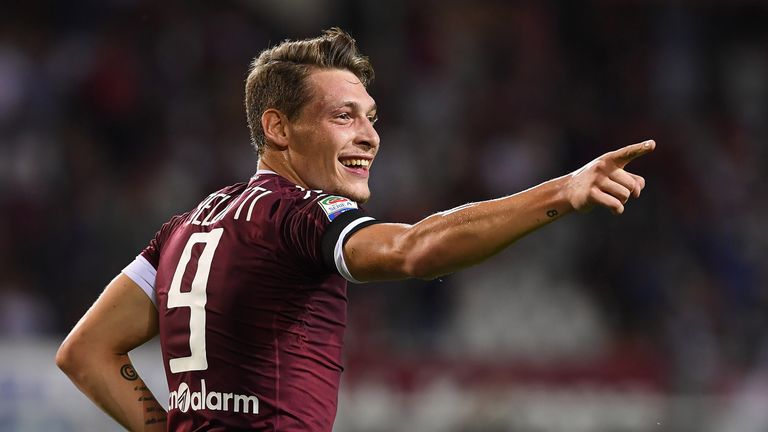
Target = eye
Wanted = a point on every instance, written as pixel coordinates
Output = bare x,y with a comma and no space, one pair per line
344,116
373,119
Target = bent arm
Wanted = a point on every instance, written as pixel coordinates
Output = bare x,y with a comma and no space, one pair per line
95,355
451,240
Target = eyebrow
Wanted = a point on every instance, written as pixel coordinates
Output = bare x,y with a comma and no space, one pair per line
356,106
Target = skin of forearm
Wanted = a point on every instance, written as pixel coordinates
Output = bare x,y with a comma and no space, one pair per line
112,383
454,239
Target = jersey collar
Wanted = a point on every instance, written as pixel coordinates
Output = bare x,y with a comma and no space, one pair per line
263,171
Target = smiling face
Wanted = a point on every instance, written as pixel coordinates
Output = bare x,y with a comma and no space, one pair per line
332,142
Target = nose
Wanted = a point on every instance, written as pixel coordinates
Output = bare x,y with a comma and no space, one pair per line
367,136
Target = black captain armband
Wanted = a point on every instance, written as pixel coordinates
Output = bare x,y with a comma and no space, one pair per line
337,233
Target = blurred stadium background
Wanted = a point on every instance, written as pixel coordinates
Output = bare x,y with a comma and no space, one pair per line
116,114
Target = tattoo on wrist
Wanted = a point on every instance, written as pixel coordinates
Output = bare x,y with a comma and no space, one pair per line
552,213
128,372
154,420
154,412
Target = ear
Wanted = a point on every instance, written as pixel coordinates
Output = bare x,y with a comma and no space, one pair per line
275,126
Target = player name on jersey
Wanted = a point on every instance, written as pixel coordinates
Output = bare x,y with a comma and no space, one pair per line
216,200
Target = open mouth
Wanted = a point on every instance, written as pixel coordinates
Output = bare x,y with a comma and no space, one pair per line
358,166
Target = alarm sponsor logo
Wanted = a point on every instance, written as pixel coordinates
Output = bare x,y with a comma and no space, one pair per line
184,399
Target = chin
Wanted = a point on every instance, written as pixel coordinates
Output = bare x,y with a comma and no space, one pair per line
359,195
360,198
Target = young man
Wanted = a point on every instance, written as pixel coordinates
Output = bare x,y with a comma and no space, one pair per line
248,289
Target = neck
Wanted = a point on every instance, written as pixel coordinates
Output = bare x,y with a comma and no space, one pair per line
282,168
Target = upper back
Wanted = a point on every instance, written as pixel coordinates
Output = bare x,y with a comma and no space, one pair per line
249,305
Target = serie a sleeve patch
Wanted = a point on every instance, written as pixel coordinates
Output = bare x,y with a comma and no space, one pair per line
335,205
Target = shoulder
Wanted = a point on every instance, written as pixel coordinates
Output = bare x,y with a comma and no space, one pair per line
320,204
299,198
174,222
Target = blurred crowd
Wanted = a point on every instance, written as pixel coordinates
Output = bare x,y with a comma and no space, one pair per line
114,115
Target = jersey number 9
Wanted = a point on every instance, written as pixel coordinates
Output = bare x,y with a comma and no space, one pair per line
194,299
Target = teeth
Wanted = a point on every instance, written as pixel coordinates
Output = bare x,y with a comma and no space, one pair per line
356,162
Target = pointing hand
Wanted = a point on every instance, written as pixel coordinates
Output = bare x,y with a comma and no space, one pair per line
604,181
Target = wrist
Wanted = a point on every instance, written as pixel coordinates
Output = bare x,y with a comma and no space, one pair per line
563,201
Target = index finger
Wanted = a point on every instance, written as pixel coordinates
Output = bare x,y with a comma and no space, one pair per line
631,152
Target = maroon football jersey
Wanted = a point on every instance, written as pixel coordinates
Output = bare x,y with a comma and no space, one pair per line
252,306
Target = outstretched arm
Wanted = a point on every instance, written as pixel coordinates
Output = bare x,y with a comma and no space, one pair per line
454,239
95,355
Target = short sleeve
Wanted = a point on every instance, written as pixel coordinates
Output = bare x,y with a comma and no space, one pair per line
143,269
315,231
143,274
152,252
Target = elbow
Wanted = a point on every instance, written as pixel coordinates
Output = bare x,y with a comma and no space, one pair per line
65,357
420,266
416,258
71,358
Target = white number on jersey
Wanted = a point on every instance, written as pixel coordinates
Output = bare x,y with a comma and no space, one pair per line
195,299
